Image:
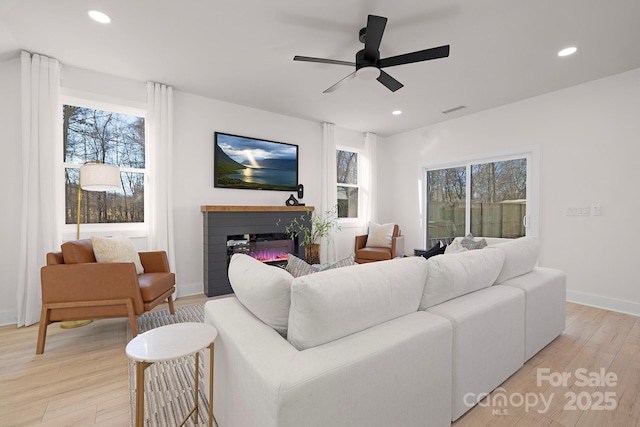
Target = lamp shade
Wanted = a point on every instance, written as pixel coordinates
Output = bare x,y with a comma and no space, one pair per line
99,177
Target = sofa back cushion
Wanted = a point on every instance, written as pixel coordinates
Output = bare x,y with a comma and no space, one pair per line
331,304
452,275
78,252
263,289
520,256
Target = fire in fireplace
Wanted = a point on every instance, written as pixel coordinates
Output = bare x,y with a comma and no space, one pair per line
271,248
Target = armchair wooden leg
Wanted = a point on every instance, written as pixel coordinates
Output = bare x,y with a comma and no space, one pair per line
132,318
170,301
42,331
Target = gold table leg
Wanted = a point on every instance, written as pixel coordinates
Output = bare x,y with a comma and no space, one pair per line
140,367
211,385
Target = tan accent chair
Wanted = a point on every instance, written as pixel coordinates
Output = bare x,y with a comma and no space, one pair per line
76,287
371,254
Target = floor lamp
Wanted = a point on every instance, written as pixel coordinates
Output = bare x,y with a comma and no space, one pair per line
93,177
96,177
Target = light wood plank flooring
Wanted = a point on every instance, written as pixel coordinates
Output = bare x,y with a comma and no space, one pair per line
81,379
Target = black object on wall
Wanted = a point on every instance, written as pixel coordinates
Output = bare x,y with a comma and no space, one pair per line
300,191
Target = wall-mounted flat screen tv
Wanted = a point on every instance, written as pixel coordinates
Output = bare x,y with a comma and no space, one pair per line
256,164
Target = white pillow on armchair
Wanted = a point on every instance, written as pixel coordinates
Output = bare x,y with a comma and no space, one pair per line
380,235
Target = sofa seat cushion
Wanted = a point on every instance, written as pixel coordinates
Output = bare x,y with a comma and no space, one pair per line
154,285
332,304
78,252
452,275
488,341
521,255
263,289
376,254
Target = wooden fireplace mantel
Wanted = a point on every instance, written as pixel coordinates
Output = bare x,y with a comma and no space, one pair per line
219,208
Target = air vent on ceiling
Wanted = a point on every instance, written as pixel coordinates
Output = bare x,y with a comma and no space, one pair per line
451,110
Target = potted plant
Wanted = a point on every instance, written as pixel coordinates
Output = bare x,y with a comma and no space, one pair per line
309,237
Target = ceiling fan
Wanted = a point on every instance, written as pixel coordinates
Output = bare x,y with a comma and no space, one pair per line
368,63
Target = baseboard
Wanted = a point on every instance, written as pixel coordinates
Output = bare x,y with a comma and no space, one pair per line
190,289
8,317
612,304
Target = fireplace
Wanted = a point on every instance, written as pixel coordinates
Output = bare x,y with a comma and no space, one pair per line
270,248
245,229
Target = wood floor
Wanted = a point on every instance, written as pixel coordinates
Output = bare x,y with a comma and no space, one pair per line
81,379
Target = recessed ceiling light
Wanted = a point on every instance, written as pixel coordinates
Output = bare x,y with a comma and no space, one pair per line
568,51
396,112
100,17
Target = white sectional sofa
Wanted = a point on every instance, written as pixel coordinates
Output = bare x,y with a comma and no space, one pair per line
407,342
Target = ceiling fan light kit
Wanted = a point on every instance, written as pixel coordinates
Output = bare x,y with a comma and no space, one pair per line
368,63
368,73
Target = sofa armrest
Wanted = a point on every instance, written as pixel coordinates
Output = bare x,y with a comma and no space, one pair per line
395,373
154,261
90,282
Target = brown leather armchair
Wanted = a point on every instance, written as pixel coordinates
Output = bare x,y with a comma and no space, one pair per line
364,253
76,287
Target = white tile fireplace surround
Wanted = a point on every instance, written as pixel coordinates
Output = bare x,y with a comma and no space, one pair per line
221,222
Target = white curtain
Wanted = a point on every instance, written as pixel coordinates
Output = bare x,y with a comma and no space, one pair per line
329,192
160,169
370,177
39,229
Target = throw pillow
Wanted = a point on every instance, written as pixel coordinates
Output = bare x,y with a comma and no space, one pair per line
438,249
298,267
470,243
263,289
116,249
380,235
345,262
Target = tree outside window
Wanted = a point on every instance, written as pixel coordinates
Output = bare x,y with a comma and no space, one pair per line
347,179
91,135
498,200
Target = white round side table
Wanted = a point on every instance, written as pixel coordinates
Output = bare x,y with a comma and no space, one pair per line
166,343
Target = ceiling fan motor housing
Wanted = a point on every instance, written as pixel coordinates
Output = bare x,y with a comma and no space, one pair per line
362,61
366,68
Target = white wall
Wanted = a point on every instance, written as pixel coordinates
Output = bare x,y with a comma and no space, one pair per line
11,190
589,150
196,119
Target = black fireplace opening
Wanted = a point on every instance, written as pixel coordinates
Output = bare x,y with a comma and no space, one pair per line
270,248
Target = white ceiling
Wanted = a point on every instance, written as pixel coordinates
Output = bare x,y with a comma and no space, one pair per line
241,51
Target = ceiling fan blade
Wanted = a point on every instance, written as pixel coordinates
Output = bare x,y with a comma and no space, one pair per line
323,60
391,83
373,37
340,83
421,55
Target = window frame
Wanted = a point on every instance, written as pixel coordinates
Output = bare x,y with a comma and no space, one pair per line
85,100
532,156
358,220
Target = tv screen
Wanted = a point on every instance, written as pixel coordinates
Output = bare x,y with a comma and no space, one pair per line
257,164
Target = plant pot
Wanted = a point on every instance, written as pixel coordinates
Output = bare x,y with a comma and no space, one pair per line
312,253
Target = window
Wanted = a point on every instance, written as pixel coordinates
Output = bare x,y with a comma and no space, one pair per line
347,181
489,198
105,136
